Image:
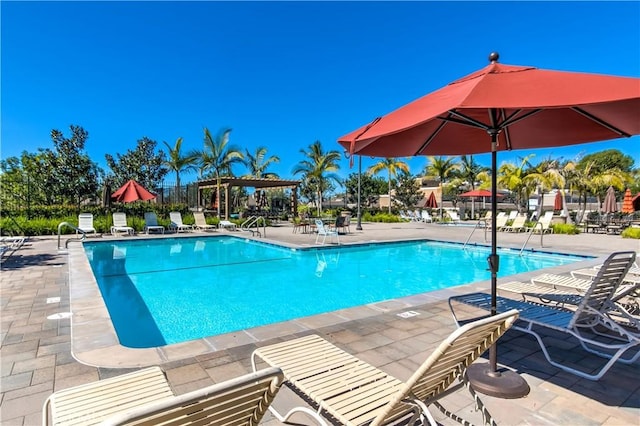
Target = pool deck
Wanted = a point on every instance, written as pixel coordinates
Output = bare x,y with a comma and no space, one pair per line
42,352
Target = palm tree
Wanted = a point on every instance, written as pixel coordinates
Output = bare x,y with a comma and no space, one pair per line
512,177
441,167
470,170
179,162
219,156
259,162
318,169
545,176
392,166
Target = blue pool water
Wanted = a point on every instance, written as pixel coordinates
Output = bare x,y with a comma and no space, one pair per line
166,291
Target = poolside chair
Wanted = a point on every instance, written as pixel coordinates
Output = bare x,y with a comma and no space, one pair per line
585,323
543,224
513,214
228,225
85,224
356,393
8,246
518,224
201,222
151,223
325,232
120,224
176,223
426,217
454,216
501,221
144,397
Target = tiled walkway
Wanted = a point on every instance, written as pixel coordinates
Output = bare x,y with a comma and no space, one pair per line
36,339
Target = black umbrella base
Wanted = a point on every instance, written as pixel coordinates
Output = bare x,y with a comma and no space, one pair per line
500,384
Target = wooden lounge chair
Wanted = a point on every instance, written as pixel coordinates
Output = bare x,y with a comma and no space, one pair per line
353,392
176,223
592,314
144,397
201,222
120,224
151,223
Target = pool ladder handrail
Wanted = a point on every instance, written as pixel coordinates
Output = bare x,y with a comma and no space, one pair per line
66,243
255,220
482,222
531,233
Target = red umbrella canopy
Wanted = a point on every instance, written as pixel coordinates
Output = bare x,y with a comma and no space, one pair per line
479,193
627,203
130,192
557,202
431,201
529,107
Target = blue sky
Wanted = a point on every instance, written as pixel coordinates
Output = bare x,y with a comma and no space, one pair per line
280,74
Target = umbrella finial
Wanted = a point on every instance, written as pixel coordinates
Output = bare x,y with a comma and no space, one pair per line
493,57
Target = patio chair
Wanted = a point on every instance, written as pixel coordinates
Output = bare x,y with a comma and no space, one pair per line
85,224
176,223
585,323
151,223
228,225
144,397
426,217
325,232
120,224
518,224
201,222
454,216
543,225
356,393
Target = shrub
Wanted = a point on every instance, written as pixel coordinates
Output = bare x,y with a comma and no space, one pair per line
631,233
380,217
564,228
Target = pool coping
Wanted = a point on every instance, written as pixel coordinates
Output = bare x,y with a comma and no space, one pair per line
94,340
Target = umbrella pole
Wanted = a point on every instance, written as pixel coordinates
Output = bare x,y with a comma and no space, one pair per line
486,378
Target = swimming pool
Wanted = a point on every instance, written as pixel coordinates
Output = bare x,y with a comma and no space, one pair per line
165,291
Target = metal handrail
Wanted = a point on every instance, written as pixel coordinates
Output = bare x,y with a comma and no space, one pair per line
255,220
66,243
531,233
484,223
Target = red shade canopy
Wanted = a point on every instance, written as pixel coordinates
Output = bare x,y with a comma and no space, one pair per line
431,201
130,192
530,107
479,193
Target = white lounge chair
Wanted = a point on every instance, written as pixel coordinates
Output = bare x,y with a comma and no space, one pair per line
201,222
151,223
228,225
454,216
85,223
543,224
592,315
518,224
120,224
356,393
325,232
176,222
144,397
426,217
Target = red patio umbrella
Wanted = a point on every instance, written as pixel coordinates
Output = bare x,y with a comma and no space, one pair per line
627,203
130,192
477,193
558,202
431,201
504,107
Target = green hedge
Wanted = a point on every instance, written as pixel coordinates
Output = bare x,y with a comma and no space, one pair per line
564,228
631,233
380,217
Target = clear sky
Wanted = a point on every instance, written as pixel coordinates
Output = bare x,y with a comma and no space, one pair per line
280,74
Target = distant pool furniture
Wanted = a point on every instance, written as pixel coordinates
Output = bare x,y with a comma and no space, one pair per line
426,217
356,393
120,224
228,225
201,222
518,224
543,225
454,216
324,231
176,223
151,223
145,397
590,320
85,223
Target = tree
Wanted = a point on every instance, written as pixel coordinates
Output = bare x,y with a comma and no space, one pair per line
180,162
318,169
469,171
607,160
392,166
408,190
75,176
545,176
259,162
218,157
370,188
144,164
511,177
442,168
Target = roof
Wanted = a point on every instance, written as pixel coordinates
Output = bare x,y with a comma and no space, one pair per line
250,182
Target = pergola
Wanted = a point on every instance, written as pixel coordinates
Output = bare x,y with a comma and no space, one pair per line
262,183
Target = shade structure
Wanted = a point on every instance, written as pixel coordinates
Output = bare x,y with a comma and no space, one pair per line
132,191
558,201
476,193
431,201
627,202
609,205
504,107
